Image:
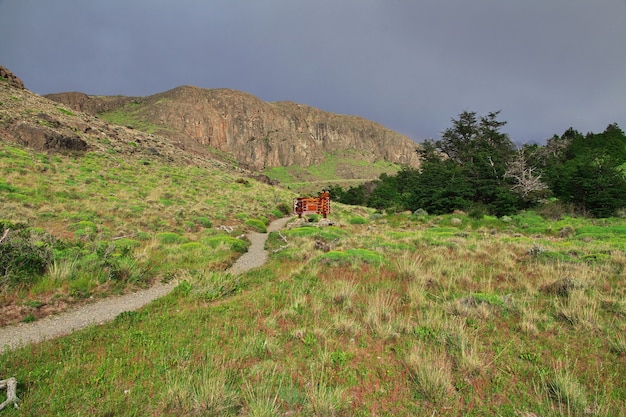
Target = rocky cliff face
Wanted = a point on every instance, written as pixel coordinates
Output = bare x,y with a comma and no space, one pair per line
256,133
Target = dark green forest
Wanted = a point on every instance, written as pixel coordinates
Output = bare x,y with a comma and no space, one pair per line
475,167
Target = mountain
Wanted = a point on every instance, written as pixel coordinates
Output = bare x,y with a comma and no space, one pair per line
45,125
257,134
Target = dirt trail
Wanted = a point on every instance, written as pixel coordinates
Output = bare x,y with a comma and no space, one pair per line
100,312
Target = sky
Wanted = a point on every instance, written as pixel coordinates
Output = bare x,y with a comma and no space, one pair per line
411,65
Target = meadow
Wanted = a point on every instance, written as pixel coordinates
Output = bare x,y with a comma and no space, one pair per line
378,314
344,169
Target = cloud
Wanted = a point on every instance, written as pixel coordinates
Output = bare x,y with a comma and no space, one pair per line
408,65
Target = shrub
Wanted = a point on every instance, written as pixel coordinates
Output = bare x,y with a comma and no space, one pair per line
203,221
235,244
170,238
358,220
284,209
256,225
477,212
420,213
566,390
326,233
24,255
126,245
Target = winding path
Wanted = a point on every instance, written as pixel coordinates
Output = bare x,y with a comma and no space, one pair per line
12,337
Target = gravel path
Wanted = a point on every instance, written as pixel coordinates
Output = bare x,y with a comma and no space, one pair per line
256,254
100,312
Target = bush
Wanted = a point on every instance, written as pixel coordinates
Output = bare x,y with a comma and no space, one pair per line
420,213
203,221
284,208
358,220
256,225
235,244
170,238
477,212
24,255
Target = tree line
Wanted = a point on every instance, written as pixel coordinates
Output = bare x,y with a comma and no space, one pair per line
476,168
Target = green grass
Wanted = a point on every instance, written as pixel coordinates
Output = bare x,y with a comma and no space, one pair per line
116,223
403,315
65,111
128,116
336,169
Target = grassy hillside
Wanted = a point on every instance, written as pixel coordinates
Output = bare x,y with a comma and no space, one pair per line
376,315
343,169
102,222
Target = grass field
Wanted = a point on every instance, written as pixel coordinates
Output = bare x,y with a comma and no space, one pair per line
380,314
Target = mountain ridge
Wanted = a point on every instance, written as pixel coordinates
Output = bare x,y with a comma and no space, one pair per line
258,134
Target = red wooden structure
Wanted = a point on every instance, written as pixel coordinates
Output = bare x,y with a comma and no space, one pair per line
312,205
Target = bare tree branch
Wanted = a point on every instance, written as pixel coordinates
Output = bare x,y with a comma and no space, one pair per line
6,233
11,386
526,181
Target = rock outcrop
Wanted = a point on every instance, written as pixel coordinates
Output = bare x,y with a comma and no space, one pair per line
43,138
83,102
258,134
8,76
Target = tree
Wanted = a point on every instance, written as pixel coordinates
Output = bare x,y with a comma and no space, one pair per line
526,179
386,194
440,188
483,152
589,172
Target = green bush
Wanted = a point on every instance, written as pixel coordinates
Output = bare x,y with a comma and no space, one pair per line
358,220
326,233
203,221
125,245
256,225
235,244
170,238
284,208
24,254
215,285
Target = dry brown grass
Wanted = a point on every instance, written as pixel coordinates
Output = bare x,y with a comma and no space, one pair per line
431,373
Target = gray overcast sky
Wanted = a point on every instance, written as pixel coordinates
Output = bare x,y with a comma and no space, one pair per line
411,65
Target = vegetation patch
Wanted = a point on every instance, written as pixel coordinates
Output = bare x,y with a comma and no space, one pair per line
256,225
324,233
350,257
358,220
24,254
170,238
237,245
